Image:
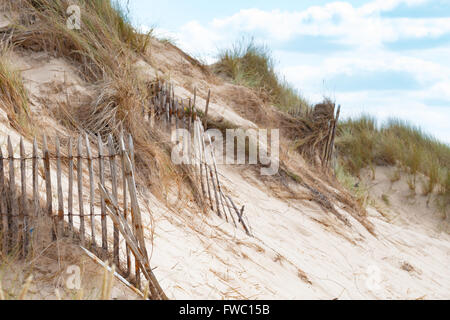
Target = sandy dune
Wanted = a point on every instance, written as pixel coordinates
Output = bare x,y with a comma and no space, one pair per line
298,251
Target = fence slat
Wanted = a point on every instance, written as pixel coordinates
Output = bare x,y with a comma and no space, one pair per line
152,113
91,189
177,111
102,204
190,115
112,164
239,215
217,178
171,108
215,192
172,92
195,98
206,168
132,188
12,194
48,179
124,194
182,115
131,151
70,199
216,187
205,118
36,200
3,207
328,140
80,191
60,223
168,117
209,188
24,211
330,154
200,154
229,209
163,107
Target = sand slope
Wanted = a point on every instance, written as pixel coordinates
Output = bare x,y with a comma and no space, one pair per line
299,251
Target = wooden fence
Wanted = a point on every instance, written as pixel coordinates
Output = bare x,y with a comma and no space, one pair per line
175,113
38,196
328,151
21,215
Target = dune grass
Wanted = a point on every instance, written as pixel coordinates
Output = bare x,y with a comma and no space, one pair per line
361,143
20,279
252,65
13,96
97,47
104,51
443,201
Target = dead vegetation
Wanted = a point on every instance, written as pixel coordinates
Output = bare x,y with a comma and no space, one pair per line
13,96
103,52
252,65
51,274
363,144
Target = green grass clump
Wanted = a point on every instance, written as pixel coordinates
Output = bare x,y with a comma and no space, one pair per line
356,141
361,143
13,96
252,65
353,185
444,192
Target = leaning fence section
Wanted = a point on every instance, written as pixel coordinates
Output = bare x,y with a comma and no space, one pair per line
70,196
84,189
170,113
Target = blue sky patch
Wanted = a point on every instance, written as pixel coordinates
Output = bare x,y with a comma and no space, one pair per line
373,81
430,9
420,44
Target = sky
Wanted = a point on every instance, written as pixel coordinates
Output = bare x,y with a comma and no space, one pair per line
386,58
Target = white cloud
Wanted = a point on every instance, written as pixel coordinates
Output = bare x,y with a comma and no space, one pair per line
360,27
365,31
356,26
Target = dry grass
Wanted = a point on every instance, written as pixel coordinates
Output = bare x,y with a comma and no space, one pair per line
362,143
252,65
96,48
104,51
13,96
444,191
42,277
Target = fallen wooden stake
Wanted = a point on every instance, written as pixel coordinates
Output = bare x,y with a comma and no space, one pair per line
118,276
239,214
132,241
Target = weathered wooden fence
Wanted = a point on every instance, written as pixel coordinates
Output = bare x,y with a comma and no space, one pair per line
38,196
175,113
328,151
112,206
